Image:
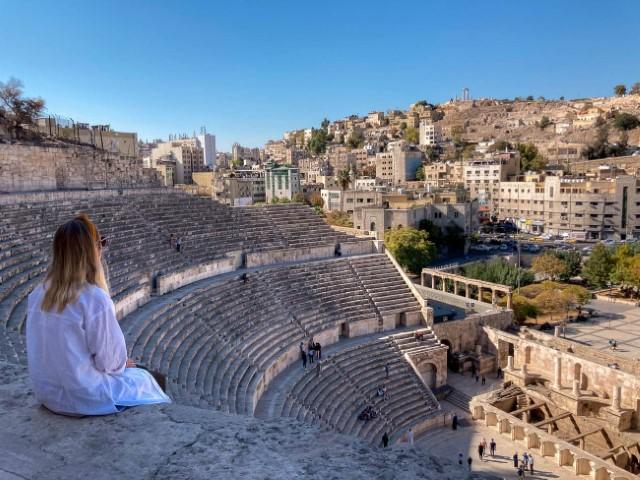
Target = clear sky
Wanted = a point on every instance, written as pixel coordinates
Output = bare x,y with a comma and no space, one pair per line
249,70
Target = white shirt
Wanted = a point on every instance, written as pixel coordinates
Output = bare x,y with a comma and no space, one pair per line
77,358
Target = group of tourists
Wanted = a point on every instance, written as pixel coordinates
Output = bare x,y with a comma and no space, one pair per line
522,464
368,413
483,451
382,392
310,353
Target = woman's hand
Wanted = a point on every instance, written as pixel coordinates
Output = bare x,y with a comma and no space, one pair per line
130,363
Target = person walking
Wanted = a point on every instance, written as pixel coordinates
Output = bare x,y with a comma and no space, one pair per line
531,464
525,461
319,350
386,369
469,462
318,370
454,422
460,458
484,446
520,473
178,244
492,447
303,356
385,440
499,373
480,451
484,380
515,459
410,437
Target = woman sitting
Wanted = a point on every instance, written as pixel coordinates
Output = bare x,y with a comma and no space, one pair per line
76,350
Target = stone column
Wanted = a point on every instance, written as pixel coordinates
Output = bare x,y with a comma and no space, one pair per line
524,370
467,290
557,372
509,294
493,296
479,293
455,287
617,393
510,362
556,331
576,387
433,281
444,284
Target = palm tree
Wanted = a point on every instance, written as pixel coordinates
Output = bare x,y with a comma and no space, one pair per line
344,179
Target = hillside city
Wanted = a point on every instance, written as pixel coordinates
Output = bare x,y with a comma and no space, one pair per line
444,292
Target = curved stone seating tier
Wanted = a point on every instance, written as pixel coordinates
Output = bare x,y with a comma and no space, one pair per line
138,228
349,382
219,340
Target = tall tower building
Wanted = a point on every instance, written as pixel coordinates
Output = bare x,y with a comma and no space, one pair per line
208,144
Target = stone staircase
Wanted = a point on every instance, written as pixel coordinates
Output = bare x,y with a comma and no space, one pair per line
459,399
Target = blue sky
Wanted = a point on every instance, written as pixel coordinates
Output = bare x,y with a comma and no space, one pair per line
249,70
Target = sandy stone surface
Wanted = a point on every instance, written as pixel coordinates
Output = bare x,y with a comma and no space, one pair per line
180,442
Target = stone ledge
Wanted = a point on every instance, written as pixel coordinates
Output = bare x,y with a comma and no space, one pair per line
179,442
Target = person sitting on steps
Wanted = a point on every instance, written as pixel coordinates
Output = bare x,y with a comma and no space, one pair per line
76,351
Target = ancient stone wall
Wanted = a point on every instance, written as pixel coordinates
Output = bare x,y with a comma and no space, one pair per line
25,168
464,335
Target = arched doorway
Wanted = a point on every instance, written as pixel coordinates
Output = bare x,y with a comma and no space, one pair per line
429,373
372,227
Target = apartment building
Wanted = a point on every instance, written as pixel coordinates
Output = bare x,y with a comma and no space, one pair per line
378,219
430,134
281,181
482,177
240,187
187,155
443,174
240,154
207,142
336,199
398,164
596,209
341,158
375,119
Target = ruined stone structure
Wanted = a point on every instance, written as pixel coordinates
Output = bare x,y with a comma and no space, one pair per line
64,166
566,401
459,285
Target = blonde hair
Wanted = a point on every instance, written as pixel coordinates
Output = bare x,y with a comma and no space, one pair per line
76,263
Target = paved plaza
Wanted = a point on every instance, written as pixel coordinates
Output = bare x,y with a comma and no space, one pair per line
615,321
445,443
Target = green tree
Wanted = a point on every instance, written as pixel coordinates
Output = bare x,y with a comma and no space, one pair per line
523,308
544,122
316,200
411,135
598,267
619,90
338,218
530,158
298,198
420,173
635,89
548,265
16,111
318,141
403,125
626,121
343,178
356,139
530,98
325,124
498,270
410,247
572,261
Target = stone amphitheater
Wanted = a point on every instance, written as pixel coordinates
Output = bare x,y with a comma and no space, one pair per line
223,319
